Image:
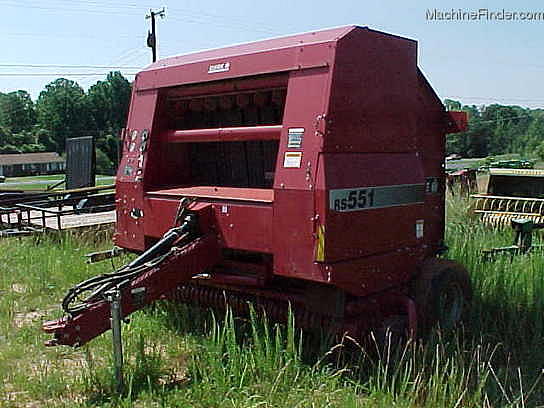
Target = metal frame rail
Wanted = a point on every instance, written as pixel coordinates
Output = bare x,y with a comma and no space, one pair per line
28,214
57,209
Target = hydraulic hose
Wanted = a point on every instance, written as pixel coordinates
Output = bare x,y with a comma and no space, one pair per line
98,286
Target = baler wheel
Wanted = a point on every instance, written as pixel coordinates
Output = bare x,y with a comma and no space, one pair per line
442,293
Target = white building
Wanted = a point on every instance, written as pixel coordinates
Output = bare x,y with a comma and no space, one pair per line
28,164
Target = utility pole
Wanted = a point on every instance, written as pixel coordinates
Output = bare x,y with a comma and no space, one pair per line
151,35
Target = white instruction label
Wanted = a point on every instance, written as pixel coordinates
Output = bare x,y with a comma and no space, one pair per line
292,159
294,138
419,228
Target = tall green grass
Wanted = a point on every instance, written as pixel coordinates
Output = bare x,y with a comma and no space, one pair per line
181,356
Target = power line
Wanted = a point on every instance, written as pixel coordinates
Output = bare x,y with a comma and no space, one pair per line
65,9
260,25
492,98
127,56
195,17
505,119
221,24
91,3
60,74
74,36
67,66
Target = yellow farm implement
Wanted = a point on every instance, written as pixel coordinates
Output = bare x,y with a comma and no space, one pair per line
511,194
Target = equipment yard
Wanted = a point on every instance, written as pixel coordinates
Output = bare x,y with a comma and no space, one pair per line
182,357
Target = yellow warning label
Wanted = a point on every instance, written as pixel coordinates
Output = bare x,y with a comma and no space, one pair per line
320,245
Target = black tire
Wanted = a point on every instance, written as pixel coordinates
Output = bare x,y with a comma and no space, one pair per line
442,293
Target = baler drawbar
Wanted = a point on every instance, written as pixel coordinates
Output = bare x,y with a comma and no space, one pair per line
144,280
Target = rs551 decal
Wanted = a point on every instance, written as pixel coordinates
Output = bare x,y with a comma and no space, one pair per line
365,198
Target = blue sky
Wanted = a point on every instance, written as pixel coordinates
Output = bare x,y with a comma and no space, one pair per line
477,62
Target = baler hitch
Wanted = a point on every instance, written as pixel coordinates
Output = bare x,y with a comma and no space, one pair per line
178,256
99,286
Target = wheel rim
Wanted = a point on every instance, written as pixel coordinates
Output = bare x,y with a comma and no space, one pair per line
451,305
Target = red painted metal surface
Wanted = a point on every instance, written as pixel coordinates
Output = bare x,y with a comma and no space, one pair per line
232,134
219,193
320,155
458,122
352,235
241,224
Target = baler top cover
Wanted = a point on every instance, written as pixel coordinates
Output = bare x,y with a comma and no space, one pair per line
256,58
321,151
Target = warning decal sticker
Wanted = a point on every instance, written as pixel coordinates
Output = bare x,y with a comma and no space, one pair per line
292,159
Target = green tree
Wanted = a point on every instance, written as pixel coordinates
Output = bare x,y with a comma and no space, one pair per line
109,100
5,135
497,129
17,111
535,132
63,112
108,103
508,126
45,138
9,149
540,151
103,164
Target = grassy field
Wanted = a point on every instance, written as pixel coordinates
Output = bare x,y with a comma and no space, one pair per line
176,356
42,182
34,178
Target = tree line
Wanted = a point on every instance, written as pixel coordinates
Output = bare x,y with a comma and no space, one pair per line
498,129
64,110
